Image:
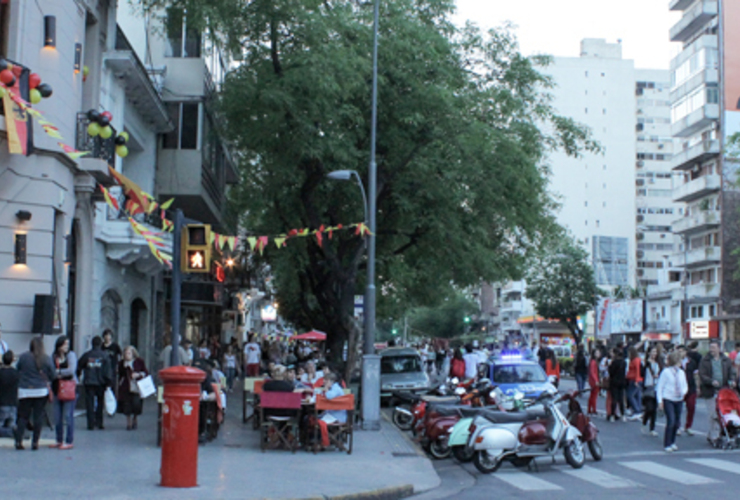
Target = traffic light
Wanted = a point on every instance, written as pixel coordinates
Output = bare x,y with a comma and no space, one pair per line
467,319
395,331
196,248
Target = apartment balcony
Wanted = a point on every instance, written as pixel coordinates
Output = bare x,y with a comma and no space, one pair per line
511,306
700,153
672,290
679,4
697,188
696,121
702,290
513,286
693,20
707,76
102,151
184,175
698,257
705,219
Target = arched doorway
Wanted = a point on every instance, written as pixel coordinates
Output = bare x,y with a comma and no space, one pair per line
138,324
110,313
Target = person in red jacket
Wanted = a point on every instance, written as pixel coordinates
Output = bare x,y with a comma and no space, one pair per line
593,381
634,383
457,365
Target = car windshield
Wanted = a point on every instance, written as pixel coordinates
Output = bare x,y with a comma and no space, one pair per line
399,364
518,374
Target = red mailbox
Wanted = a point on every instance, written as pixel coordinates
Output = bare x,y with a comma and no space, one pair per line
180,411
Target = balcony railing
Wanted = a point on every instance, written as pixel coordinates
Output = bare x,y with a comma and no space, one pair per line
696,222
693,20
701,152
104,149
697,188
700,290
696,120
698,256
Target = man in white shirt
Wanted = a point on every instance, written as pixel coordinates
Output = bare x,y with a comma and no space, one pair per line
252,356
471,363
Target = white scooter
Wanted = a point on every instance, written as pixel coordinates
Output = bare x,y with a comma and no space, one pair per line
520,437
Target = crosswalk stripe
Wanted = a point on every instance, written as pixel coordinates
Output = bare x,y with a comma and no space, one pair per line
600,478
715,463
526,482
669,473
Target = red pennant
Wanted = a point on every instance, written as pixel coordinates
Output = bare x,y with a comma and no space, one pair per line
292,232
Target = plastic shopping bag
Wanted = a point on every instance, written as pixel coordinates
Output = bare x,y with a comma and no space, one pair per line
110,402
146,387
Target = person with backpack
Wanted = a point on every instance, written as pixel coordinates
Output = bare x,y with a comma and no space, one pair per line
97,374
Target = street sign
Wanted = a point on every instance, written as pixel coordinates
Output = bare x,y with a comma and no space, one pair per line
359,306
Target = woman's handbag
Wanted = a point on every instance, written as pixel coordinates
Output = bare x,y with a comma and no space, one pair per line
146,387
67,390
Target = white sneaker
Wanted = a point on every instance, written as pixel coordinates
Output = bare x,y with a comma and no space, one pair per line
689,432
674,447
636,416
668,450
679,432
624,419
644,430
653,433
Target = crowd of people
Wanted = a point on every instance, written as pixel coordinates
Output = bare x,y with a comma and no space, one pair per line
641,380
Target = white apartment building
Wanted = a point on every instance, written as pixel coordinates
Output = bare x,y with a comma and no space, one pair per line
704,105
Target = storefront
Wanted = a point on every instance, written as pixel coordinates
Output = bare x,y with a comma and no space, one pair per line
702,330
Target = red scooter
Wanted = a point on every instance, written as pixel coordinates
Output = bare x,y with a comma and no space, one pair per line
581,421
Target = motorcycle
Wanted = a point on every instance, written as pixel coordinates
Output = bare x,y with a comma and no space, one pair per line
412,409
521,437
581,421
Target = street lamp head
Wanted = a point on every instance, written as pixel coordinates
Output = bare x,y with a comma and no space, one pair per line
340,175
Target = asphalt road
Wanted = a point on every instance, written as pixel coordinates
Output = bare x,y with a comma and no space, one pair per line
634,466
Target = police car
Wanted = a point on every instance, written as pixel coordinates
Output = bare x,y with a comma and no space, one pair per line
513,373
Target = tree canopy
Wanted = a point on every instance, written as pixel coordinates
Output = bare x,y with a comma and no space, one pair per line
561,284
464,125
446,320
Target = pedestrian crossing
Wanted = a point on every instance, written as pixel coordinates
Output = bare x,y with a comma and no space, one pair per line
622,474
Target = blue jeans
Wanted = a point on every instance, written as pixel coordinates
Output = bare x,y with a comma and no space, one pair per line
64,410
634,395
230,376
581,380
673,418
8,416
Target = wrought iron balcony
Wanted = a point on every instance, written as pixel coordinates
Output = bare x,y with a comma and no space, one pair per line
102,149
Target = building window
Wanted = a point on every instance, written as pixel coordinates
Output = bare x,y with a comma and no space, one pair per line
603,111
597,223
711,311
603,204
586,74
4,26
586,111
603,74
185,117
182,41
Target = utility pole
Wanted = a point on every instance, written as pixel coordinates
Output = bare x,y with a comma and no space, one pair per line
176,284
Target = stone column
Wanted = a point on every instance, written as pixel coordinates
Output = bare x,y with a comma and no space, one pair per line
84,300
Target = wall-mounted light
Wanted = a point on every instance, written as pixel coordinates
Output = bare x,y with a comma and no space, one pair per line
20,248
23,215
50,31
78,57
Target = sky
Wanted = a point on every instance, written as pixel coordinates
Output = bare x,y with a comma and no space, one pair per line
556,27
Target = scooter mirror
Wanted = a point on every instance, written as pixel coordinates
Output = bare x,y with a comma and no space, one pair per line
455,380
460,391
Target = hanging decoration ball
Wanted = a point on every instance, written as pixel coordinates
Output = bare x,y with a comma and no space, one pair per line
108,115
7,77
85,71
17,70
2,92
93,129
45,90
34,80
124,134
103,121
122,151
120,140
35,96
106,132
93,115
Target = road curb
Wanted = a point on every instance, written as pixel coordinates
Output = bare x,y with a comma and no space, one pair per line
392,493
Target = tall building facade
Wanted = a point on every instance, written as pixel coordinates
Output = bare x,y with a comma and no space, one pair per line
705,112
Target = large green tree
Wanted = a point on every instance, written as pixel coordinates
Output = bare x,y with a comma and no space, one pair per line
445,320
562,286
464,124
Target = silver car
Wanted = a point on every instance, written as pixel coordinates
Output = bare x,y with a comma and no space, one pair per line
401,370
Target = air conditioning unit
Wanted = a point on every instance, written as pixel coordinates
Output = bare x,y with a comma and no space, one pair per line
640,164
640,254
640,218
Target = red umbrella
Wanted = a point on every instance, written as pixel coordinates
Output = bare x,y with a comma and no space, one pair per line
312,336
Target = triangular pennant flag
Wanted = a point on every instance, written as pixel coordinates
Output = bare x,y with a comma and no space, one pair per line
112,202
252,240
221,241
280,241
213,239
231,241
262,243
52,131
303,232
72,152
320,236
167,204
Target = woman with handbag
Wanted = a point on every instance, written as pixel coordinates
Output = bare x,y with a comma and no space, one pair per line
64,388
35,373
131,369
649,402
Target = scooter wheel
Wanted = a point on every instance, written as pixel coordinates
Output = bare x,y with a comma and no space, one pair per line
463,454
439,450
574,454
485,463
594,446
403,421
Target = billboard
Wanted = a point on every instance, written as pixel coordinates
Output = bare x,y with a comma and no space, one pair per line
627,316
731,66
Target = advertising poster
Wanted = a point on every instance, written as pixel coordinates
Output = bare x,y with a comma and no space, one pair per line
602,320
627,316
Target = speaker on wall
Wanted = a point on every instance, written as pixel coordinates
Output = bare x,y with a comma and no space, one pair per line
43,314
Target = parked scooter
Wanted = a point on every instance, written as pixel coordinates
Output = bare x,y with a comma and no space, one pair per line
581,421
521,437
412,406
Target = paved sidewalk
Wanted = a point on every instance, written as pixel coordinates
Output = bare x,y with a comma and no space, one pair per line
120,464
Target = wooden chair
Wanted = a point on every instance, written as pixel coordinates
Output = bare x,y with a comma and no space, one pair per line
249,398
341,434
282,422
